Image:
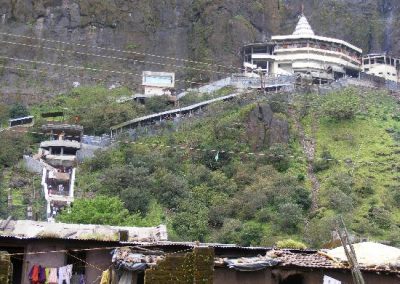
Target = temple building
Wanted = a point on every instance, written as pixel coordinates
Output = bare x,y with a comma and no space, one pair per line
382,65
303,52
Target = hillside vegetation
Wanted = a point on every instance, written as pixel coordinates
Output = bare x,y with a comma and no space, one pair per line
238,173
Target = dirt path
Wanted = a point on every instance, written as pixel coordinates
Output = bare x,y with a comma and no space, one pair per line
309,147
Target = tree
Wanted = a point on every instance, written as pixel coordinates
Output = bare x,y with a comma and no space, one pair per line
136,200
251,234
117,179
289,217
169,188
191,223
18,110
101,210
13,145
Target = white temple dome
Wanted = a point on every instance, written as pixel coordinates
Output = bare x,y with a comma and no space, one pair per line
303,28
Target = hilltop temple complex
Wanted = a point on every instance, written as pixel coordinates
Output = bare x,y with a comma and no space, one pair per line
323,58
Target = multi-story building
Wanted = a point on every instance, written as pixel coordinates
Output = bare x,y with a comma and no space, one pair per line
382,65
303,52
59,157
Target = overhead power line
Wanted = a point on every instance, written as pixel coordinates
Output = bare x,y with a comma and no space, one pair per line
111,57
190,149
88,68
46,72
121,50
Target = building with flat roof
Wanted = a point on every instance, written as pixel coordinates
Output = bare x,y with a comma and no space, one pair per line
382,65
303,52
158,83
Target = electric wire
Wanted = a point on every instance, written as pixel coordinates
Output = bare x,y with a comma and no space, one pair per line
191,149
47,72
89,68
112,57
119,50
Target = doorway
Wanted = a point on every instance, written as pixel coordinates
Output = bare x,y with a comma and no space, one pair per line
293,279
17,262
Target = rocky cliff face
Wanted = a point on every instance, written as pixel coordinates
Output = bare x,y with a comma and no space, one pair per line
196,30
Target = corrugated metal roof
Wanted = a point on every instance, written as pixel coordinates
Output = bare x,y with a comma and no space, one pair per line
26,229
20,118
183,109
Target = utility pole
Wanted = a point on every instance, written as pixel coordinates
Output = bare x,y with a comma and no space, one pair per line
350,252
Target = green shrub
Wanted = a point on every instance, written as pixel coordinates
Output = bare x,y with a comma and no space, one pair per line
342,105
290,244
18,110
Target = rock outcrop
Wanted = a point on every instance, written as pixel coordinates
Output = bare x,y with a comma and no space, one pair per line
265,129
197,30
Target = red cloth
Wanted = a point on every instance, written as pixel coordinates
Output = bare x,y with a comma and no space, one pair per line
34,275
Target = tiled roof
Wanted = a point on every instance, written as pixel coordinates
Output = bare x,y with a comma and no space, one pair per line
300,259
322,261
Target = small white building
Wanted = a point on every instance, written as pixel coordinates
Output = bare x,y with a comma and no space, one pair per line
382,65
303,52
158,83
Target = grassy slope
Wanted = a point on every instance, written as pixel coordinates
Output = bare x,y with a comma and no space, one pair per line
372,160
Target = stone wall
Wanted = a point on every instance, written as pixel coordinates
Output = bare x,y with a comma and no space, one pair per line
188,268
32,165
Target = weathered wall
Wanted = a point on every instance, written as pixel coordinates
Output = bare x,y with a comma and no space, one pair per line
45,259
33,165
100,259
187,268
224,275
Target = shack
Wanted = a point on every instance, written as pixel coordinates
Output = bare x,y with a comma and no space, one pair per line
144,255
55,245
256,265
21,121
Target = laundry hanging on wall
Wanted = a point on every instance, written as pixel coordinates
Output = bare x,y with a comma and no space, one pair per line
51,275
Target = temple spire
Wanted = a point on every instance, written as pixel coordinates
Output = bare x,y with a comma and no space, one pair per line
303,28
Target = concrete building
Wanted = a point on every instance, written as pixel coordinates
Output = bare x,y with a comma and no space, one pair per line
158,83
382,65
303,52
58,155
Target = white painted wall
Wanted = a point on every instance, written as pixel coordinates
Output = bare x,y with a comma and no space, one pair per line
382,70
